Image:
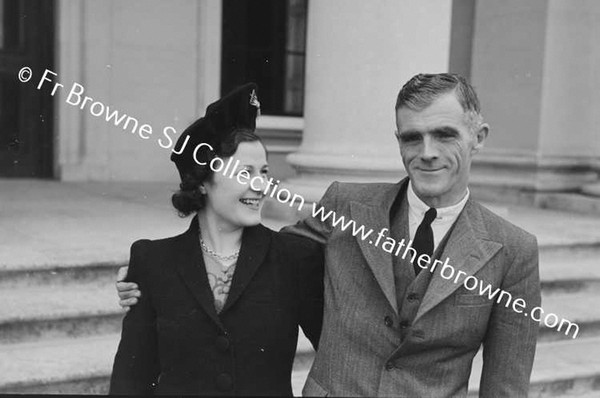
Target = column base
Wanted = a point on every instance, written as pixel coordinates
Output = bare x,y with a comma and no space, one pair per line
527,179
592,189
84,171
316,171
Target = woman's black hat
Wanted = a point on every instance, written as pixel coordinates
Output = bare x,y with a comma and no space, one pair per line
237,110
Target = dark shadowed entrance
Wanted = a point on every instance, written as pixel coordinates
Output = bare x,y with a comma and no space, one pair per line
26,39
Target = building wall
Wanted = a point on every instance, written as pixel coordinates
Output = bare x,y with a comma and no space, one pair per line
154,60
533,64
507,68
572,97
146,59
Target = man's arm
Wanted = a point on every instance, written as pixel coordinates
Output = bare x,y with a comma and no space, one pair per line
509,344
316,228
128,292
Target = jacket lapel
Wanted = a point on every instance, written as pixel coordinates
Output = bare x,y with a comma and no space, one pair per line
190,266
468,249
376,216
255,245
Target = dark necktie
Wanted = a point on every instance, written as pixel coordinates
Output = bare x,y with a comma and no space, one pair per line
423,242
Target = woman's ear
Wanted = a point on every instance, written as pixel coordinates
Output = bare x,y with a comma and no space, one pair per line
202,189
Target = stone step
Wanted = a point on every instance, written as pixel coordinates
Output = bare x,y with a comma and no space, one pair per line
50,312
582,308
570,269
557,255
84,308
64,366
592,393
572,202
563,267
47,313
59,275
82,366
561,368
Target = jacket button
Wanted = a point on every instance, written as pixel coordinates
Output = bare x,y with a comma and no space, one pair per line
412,297
388,321
389,365
224,382
404,324
222,343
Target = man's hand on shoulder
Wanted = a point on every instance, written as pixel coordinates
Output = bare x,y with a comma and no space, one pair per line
128,291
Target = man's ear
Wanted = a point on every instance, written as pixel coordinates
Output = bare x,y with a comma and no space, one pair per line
202,189
480,136
397,135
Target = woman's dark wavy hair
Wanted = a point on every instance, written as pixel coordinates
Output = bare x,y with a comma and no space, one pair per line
188,199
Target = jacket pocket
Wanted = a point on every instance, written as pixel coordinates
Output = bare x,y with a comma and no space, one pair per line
472,300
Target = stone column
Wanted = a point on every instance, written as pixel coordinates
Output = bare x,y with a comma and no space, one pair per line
359,53
154,61
535,68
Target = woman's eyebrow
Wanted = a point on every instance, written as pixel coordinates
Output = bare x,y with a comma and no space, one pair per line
249,166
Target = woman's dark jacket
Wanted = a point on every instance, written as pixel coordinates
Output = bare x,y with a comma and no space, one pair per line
174,342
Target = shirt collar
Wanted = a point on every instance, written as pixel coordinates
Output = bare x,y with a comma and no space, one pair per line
416,205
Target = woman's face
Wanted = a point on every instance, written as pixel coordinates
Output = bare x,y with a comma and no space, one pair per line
231,200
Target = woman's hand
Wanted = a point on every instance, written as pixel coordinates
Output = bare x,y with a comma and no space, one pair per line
128,291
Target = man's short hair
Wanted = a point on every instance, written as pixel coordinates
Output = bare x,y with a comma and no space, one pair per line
421,90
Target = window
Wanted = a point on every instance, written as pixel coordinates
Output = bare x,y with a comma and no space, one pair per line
264,41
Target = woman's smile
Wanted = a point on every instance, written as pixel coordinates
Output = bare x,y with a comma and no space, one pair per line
252,203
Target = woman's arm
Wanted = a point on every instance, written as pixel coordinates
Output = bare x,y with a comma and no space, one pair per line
136,366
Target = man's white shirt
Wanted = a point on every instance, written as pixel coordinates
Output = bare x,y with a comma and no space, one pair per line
442,223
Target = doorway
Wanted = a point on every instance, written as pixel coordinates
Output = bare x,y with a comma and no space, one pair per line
26,117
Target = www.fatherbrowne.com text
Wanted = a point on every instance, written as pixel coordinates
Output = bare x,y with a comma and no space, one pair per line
96,108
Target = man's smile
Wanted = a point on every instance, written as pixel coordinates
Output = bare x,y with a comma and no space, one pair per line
429,170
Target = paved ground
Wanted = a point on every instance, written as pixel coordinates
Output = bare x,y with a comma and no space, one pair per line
45,223
57,223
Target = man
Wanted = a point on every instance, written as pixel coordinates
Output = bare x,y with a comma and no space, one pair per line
393,327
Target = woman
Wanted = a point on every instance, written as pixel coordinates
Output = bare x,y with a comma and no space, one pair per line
221,303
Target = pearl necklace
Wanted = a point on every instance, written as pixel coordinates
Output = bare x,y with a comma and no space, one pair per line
216,255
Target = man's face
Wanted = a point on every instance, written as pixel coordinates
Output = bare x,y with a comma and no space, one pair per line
437,146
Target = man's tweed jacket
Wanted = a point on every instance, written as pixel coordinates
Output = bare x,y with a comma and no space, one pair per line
361,353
